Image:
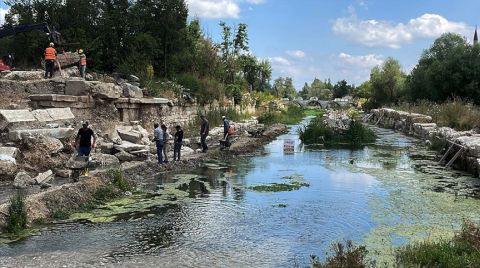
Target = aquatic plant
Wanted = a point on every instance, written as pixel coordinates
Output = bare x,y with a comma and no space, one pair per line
290,116
345,255
317,132
17,213
279,187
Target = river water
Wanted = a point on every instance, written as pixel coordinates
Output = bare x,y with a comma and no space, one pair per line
382,196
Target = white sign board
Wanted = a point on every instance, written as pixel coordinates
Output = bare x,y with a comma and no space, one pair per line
289,146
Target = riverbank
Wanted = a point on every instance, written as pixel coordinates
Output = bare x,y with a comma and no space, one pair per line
41,206
459,149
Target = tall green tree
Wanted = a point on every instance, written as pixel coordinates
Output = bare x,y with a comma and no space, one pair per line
387,82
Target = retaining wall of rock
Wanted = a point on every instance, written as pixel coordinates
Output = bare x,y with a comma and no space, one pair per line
422,127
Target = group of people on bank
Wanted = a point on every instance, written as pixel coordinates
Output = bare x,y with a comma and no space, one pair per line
85,140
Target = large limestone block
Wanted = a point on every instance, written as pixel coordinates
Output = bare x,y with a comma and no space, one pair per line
129,147
8,154
8,117
472,143
24,75
76,87
104,90
131,136
42,115
61,114
59,133
103,161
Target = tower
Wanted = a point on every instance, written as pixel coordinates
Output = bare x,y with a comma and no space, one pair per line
475,37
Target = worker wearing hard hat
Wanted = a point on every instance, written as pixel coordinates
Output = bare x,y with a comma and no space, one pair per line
82,63
50,58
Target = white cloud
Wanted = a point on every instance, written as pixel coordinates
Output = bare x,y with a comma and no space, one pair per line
214,9
3,12
374,33
296,54
218,9
279,61
363,61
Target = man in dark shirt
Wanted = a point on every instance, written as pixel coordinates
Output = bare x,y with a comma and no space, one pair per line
177,145
204,129
84,140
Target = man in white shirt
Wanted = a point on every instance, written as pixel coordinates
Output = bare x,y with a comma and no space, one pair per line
158,139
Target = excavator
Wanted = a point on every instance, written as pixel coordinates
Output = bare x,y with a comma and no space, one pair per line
54,36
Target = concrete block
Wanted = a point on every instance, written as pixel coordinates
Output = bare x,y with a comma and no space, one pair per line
76,87
59,133
129,147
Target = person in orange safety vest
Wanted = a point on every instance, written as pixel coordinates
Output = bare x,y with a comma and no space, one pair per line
82,63
50,58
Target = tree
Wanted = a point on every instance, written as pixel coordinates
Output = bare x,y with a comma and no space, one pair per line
387,82
341,89
450,68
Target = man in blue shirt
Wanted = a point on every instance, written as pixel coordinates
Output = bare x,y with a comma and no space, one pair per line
226,126
158,139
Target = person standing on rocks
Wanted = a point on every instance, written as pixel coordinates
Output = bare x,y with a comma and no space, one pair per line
158,139
50,58
204,129
226,126
166,137
177,145
83,141
82,63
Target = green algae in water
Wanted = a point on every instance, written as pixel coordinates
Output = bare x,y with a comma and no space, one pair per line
139,205
280,205
295,183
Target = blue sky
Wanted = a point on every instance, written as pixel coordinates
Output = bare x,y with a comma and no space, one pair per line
337,39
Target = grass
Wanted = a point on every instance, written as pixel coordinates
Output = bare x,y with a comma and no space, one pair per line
17,214
455,113
317,132
291,115
461,251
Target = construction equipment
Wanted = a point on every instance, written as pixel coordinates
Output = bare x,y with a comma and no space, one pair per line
9,30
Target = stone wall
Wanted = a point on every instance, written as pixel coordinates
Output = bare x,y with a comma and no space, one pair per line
422,127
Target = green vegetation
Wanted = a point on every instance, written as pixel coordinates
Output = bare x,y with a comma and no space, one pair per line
113,189
17,214
317,132
454,113
345,256
214,118
290,116
295,182
463,250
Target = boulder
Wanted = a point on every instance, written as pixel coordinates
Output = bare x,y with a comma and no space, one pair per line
124,156
59,133
77,162
106,147
103,161
131,136
46,145
15,117
71,72
8,154
25,75
133,78
131,91
7,169
23,180
104,90
130,147
63,173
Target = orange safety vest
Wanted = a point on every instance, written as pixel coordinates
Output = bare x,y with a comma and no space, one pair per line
50,53
83,60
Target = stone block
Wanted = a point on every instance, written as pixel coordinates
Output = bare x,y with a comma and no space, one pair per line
43,177
76,87
59,133
42,115
104,90
103,161
131,136
8,154
22,180
132,91
129,147
149,100
25,75
61,114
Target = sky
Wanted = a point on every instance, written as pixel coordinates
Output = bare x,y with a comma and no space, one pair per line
336,39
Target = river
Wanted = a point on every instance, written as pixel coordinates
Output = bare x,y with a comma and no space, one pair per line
382,196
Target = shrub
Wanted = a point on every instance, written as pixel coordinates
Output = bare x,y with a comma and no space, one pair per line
462,251
118,180
17,211
345,256
290,116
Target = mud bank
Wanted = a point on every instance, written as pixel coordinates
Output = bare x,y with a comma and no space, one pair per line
441,138
41,206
